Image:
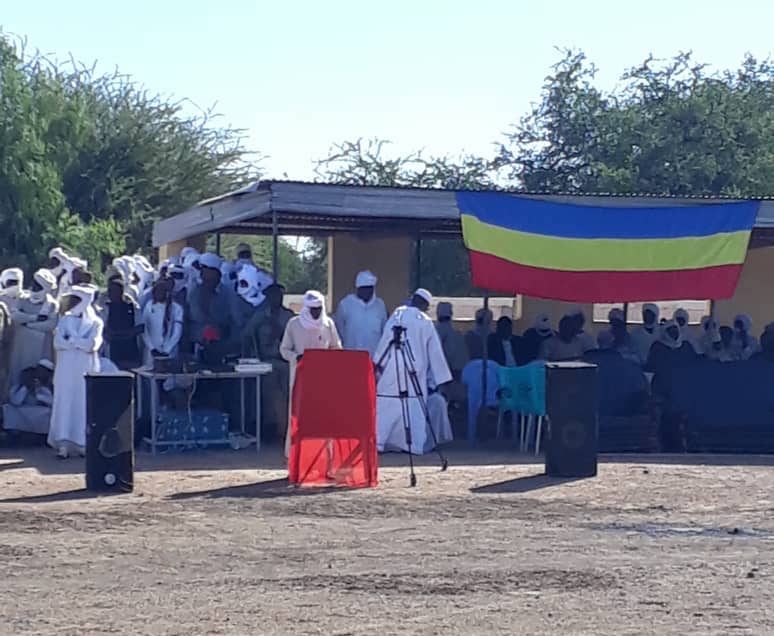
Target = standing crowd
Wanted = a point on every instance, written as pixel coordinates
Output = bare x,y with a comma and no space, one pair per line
192,307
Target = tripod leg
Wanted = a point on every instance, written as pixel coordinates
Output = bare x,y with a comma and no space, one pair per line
402,381
426,412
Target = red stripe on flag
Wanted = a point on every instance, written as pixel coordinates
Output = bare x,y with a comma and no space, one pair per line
498,275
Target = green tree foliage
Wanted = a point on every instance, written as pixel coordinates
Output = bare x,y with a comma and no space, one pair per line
671,127
80,149
445,267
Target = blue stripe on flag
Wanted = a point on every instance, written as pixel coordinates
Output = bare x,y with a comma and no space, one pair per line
586,221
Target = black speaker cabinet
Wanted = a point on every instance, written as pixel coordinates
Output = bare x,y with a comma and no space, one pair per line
110,432
571,403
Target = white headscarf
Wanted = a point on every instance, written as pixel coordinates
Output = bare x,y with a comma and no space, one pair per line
745,320
45,278
64,261
179,283
252,291
85,308
9,275
365,278
144,271
193,275
665,337
543,325
681,313
653,308
311,300
188,251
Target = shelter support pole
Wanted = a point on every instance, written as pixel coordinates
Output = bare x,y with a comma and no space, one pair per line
713,304
482,411
626,313
217,243
274,246
418,264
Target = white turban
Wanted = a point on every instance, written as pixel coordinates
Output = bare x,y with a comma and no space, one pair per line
311,300
543,324
85,308
210,260
653,308
681,313
423,293
667,339
249,285
366,279
745,320
12,275
188,251
44,278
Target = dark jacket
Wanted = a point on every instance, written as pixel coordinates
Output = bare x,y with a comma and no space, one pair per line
496,350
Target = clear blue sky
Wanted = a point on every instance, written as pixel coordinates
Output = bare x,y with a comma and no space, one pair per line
441,76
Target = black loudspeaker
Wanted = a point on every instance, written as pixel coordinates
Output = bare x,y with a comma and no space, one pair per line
110,432
572,405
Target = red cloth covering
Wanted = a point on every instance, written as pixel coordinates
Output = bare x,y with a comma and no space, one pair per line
333,420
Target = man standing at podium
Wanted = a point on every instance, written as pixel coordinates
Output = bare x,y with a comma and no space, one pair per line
413,329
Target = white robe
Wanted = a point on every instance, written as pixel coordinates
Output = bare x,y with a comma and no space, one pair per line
360,324
28,412
76,346
31,339
428,358
295,341
153,336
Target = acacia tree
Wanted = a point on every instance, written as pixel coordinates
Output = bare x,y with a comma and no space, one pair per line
91,161
445,266
672,127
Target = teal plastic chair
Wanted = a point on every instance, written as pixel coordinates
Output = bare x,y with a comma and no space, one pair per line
522,393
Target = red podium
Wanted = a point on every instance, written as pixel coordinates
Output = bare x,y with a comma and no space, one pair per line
333,420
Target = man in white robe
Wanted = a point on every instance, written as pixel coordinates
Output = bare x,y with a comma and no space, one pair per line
29,406
12,288
33,319
162,321
77,340
421,343
361,316
311,329
643,336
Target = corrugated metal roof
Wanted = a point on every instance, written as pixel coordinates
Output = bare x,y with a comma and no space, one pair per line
308,208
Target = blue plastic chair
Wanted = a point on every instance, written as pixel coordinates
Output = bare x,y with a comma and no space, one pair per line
522,393
471,376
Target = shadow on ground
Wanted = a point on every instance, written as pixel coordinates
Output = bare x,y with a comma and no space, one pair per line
272,489
523,484
68,495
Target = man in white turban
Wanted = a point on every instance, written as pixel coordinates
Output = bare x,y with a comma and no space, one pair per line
411,329
643,336
77,340
744,344
33,320
361,316
312,329
12,288
250,286
29,406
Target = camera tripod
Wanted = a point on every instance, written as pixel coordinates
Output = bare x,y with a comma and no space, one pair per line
406,377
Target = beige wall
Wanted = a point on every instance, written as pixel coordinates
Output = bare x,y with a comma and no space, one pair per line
755,292
174,248
388,258
754,296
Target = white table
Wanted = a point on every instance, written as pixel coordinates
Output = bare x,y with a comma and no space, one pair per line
193,378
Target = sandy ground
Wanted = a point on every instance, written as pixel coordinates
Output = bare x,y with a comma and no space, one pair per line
217,543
